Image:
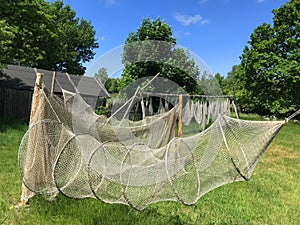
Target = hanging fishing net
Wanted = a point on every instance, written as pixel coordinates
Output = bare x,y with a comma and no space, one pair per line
71,150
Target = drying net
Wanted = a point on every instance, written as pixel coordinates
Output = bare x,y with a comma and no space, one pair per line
202,109
70,149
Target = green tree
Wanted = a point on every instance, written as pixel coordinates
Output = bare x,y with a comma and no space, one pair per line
47,35
112,85
6,35
230,84
269,73
220,80
102,75
151,50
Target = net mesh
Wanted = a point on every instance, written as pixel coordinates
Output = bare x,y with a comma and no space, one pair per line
70,149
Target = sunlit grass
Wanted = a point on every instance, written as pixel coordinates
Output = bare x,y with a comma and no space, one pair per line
272,195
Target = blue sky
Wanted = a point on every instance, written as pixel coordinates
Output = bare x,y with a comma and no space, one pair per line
216,30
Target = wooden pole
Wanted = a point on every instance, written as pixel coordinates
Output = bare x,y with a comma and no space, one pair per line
150,81
180,117
35,96
143,109
131,102
26,193
53,82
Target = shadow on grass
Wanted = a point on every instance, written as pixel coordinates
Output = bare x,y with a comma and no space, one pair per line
92,211
12,123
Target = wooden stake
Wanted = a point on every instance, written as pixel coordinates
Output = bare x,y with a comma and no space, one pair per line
35,96
180,117
143,109
53,83
34,105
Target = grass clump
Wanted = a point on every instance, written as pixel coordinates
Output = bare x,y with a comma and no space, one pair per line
272,195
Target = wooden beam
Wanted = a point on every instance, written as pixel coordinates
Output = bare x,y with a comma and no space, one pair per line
34,105
35,96
180,117
53,83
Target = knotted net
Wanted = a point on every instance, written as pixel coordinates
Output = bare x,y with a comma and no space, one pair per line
70,149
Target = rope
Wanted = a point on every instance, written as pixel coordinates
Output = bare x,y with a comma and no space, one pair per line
186,95
292,116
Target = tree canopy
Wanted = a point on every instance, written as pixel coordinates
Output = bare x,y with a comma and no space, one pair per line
268,76
45,35
102,75
111,84
151,50
6,36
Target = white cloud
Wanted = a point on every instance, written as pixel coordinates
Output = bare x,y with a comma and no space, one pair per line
110,2
186,20
202,1
260,1
181,34
204,22
102,38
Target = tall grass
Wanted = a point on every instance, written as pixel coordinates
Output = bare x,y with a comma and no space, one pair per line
272,196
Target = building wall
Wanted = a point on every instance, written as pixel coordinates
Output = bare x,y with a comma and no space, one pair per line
15,103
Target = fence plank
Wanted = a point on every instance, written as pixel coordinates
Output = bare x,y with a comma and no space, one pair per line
15,103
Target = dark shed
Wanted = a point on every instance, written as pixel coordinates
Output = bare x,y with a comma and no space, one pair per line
17,83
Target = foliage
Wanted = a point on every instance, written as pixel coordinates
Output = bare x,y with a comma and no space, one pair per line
220,80
269,73
6,36
102,110
257,201
102,75
151,50
229,84
211,84
112,85
45,35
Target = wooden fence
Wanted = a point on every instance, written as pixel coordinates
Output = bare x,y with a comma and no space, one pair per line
15,103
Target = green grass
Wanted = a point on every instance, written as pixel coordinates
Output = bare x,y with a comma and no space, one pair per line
272,196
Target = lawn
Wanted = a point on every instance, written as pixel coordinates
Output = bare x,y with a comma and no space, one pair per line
272,196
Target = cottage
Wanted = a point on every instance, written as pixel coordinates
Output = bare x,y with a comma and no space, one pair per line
17,83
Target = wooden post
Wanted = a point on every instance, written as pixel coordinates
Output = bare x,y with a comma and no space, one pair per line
180,117
53,83
131,102
34,104
143,109
35,96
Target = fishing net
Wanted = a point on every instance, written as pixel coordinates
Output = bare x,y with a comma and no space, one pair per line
70,149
